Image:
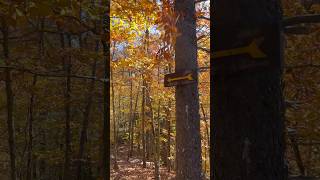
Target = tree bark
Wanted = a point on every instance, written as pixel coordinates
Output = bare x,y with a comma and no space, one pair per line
188,141
248,106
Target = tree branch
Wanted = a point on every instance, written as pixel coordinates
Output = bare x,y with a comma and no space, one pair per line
203,17
289,21
296,30
50,74
199,1
288,68
204,49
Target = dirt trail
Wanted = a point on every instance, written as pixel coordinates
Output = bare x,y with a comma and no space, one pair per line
132,169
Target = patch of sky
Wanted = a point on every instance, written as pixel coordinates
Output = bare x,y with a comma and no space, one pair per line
153,30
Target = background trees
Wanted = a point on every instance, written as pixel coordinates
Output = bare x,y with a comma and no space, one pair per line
51,94
143,43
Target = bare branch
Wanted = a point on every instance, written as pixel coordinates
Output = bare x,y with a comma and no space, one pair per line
204,69
203,17
302,66
199,1
50,74
297,30
289,21
204,49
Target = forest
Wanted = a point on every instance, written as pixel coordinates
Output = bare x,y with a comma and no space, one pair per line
120,89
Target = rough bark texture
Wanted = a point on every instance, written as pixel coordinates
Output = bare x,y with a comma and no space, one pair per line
248,113
188,146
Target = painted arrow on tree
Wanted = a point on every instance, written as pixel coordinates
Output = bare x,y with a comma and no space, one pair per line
252,49
187,77
180,78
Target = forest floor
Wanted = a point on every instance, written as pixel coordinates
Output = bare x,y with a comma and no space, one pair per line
132,169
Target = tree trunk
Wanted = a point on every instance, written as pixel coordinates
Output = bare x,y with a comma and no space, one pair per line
106,92
30,132
119,115
9,94
247,99
207,135
115,165
188,141
142,123
133,123
30,118
130,117
157,145
86,116
168,117
67,99
168,161
147,142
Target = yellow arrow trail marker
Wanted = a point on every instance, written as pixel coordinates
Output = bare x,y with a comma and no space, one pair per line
180,78
187,77
252,49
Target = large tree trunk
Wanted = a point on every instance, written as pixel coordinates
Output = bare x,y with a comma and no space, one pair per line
188,146
248,119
